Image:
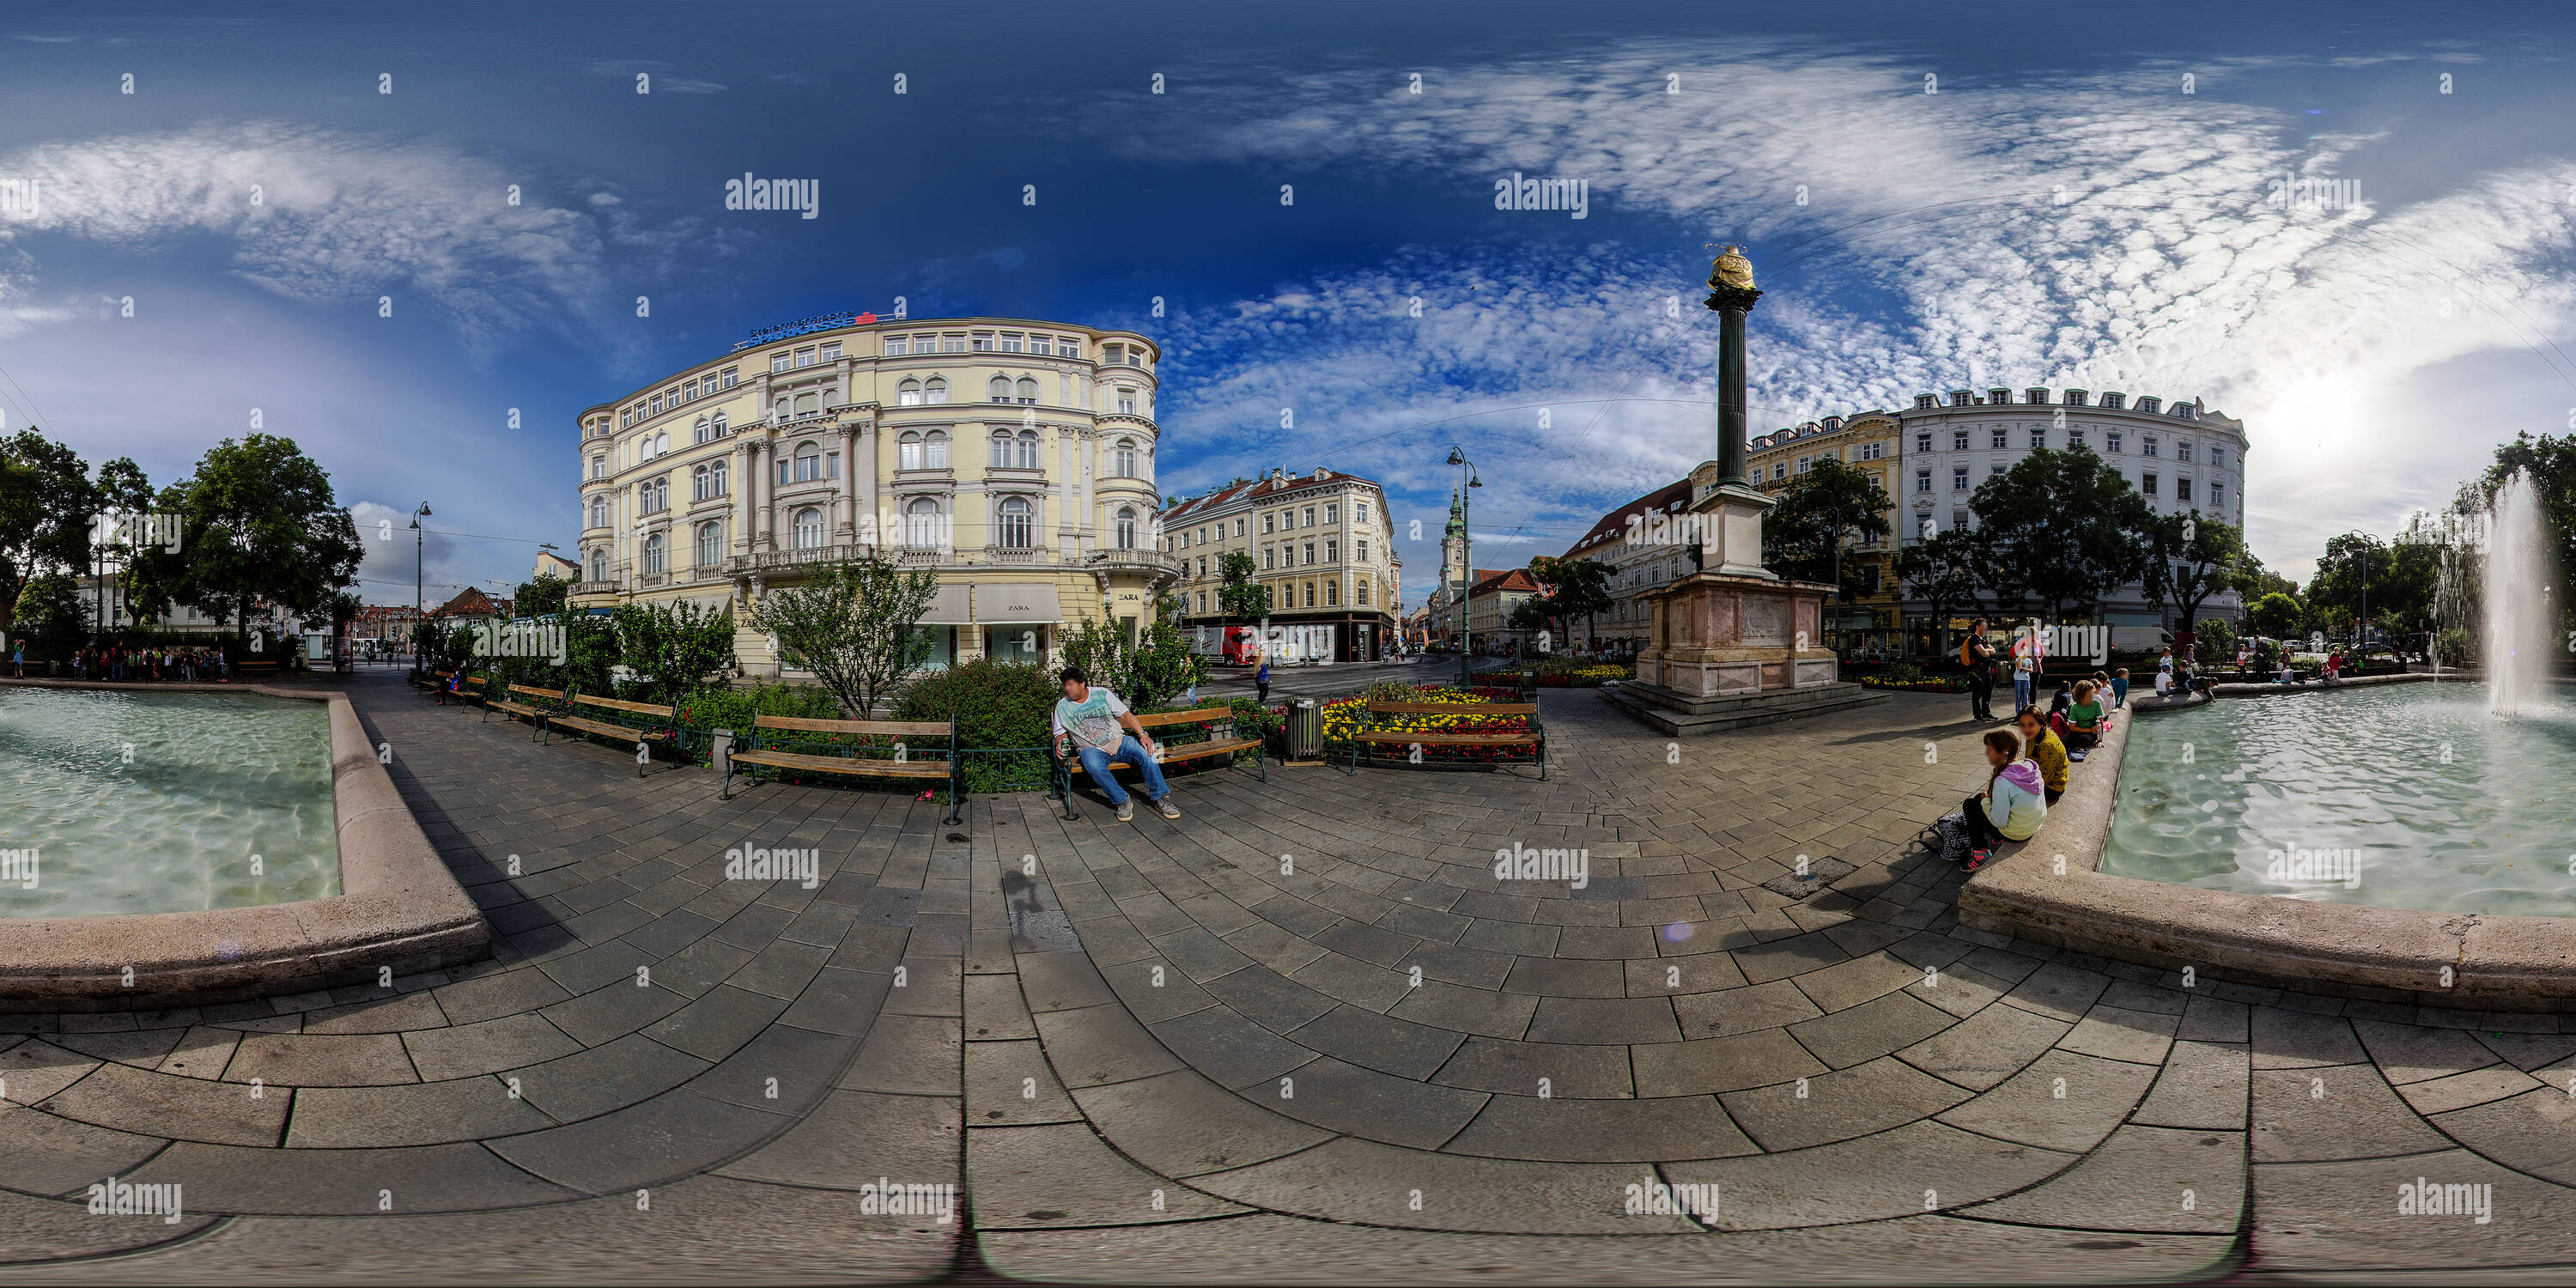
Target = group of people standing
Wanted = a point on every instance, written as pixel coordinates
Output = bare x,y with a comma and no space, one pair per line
118,663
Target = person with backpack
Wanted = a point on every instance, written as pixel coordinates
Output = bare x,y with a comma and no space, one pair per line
1261,680
2012,806
1977,654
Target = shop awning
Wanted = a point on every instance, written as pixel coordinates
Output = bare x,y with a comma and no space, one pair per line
1015,602
947,608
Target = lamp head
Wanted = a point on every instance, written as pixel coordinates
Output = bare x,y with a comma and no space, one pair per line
1456,458
1473,480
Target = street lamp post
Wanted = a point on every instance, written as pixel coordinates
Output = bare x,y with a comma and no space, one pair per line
419,564
1467,574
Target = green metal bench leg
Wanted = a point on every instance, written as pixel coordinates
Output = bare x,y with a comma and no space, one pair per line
956,794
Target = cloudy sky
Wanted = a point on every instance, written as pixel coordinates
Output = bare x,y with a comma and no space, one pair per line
1933,196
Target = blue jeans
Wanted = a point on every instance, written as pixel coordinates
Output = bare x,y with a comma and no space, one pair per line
1096,763
2021,689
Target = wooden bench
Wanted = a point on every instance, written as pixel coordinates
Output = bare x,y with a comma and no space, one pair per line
640,723
1375,733
1223,740
436,686
509,705
771,743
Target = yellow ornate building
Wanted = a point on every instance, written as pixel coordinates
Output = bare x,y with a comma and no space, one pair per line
1014,458
1870,622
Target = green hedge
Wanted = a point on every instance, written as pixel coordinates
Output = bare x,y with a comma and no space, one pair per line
995,704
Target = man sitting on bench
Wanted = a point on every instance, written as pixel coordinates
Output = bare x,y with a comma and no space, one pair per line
1089,720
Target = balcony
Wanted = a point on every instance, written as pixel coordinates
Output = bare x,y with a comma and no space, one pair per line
651,580
594,588
1145,561
771,560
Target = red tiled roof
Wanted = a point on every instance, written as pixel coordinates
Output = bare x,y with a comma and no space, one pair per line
1615,524
1265,486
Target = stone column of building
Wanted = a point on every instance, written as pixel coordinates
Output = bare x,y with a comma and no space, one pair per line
746,472
761,451
844,489
863,474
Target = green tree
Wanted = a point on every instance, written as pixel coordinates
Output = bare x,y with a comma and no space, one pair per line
855,625
1145,673
50,616
544,597
1829,507
1240,599
47,504
2060,530
1942,571
122,490
2550,461
2394,585
671,647
2190,559
1576,588
2276,615
257,525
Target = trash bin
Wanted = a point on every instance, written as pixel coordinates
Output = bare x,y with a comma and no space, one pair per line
1305,730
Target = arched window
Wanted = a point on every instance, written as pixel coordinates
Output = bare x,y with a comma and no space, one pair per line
656,554
908,394
809,404
922,526
1001,447
1018,526
1122,459
910,457
1000,389
720,483
936,391
1028,449
700,479
711,545
1363,589
599,564
599,511
1126,528
661,444
1028,391
935,450
1332,594
809,462
705,430
809,528
1310,594
719,426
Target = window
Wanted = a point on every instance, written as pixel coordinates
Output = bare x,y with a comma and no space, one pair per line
1363,590
809,463
922,528
599,511
1359,513
656,496
1019,527
936,392
983,342
2074,397
832,352
908,394
780,361
1202,601
1994,470
2147,484
2038,438
1028,453
1332,552
701,480
1122,459
2074,438
1127,401
1922,402
935,450
656,404
1011,342
1869,451
1310,594
2000,439
1332,512
732,377
998,389
952,343
1804,462
2147,446
1310,516
2150,404
895,346
1067,347
2112,401
1126,528
599,564
1922,442
1269,558
710,544
2182,489
689,392
1333,593
1267,527
1001,455
656,554
2217,495
1961,398
2111,440
1779,470
1959,440
1202,565
2182,451
908,453
1958,520
1959,478
1922,480
1360,549
599,467
1027,390
1238,525
2217,457
1998,397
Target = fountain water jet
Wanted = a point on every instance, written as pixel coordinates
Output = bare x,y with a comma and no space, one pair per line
2521,607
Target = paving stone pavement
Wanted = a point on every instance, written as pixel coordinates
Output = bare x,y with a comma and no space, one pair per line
1304,1034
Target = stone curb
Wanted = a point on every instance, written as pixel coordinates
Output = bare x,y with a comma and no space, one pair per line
399,907
2466,961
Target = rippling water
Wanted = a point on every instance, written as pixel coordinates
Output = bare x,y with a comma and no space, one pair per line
2412,795
211,780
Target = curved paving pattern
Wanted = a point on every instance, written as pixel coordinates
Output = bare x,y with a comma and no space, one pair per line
1303,1034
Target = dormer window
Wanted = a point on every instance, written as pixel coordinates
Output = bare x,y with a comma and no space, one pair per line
2074,397
2037,397
2113,401
2150,404
1922,402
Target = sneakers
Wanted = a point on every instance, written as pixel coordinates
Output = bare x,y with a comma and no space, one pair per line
1976,860
1127,811
1169,809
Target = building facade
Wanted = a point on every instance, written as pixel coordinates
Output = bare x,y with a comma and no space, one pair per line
1867,620
1321,544
2184,458
1013,458
1645,547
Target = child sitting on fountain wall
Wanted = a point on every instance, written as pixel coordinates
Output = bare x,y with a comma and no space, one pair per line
2084,719
2046,751
2012,806
2120,688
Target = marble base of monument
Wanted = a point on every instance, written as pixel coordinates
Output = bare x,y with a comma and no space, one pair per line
1732,650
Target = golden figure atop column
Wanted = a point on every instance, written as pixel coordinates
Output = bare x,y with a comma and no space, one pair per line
1733,269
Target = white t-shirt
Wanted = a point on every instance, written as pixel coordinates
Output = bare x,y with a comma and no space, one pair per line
2164,683
1093,722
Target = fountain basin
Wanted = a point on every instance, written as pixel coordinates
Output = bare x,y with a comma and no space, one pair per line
397,909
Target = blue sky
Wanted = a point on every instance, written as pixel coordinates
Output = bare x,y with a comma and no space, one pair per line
2060,211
